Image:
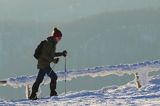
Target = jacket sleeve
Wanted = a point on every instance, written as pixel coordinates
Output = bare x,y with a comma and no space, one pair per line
57,54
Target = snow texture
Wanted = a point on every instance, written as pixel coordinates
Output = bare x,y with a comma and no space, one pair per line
125,95
142,68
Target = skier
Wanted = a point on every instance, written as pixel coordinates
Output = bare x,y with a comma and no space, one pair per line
48,55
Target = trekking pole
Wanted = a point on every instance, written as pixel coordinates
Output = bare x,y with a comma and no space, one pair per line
65,76
52,68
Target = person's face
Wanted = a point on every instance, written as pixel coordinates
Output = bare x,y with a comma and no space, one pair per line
58,39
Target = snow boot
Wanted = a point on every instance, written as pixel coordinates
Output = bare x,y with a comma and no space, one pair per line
53,93
33,97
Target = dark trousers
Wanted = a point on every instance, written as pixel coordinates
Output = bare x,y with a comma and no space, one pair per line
40,78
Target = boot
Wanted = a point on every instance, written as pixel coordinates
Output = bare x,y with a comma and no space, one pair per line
34,91
53,88
33,97
53,93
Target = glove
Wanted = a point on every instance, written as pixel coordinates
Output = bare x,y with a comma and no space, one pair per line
56,60
64,53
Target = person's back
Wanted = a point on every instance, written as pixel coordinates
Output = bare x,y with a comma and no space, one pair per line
47,55
38,50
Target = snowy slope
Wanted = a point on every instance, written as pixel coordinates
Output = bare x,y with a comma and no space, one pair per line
111,96
129,94
142,68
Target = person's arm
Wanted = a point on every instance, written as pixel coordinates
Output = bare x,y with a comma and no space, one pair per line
57,54
56,60
64,53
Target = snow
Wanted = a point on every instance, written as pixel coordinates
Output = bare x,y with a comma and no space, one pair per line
125,95
143,68
116,95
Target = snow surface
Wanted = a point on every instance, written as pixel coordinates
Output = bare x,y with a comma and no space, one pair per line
129,94
126,95
142,68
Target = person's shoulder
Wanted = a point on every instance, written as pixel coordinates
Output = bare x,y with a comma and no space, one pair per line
46,42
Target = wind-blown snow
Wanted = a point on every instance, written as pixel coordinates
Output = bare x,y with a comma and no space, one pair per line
129,94
126,95
143,67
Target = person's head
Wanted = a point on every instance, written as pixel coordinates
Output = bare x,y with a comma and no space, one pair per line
57,35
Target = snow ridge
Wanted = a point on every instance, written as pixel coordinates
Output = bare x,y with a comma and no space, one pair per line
112,96
146,66
124,95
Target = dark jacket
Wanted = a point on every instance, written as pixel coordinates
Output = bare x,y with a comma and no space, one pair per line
48,53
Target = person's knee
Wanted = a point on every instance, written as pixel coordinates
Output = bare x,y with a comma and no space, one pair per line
54,77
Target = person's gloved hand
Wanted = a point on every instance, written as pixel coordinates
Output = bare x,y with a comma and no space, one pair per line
56,60
64,53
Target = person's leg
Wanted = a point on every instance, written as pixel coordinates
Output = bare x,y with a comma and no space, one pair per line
53,82
38,81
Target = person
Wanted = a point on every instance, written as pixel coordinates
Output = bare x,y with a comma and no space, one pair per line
48,55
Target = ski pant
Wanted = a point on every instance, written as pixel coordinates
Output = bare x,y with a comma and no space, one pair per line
40,78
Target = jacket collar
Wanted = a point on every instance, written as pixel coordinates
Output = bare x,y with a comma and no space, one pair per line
52,40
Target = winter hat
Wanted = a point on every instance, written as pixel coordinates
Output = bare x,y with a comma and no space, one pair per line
57,33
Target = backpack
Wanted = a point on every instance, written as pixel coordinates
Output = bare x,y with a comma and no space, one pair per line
38,50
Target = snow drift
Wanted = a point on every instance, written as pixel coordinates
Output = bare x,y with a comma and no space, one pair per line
127,94
142,68
124,95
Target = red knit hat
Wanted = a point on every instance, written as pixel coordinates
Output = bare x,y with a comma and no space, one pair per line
57,33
